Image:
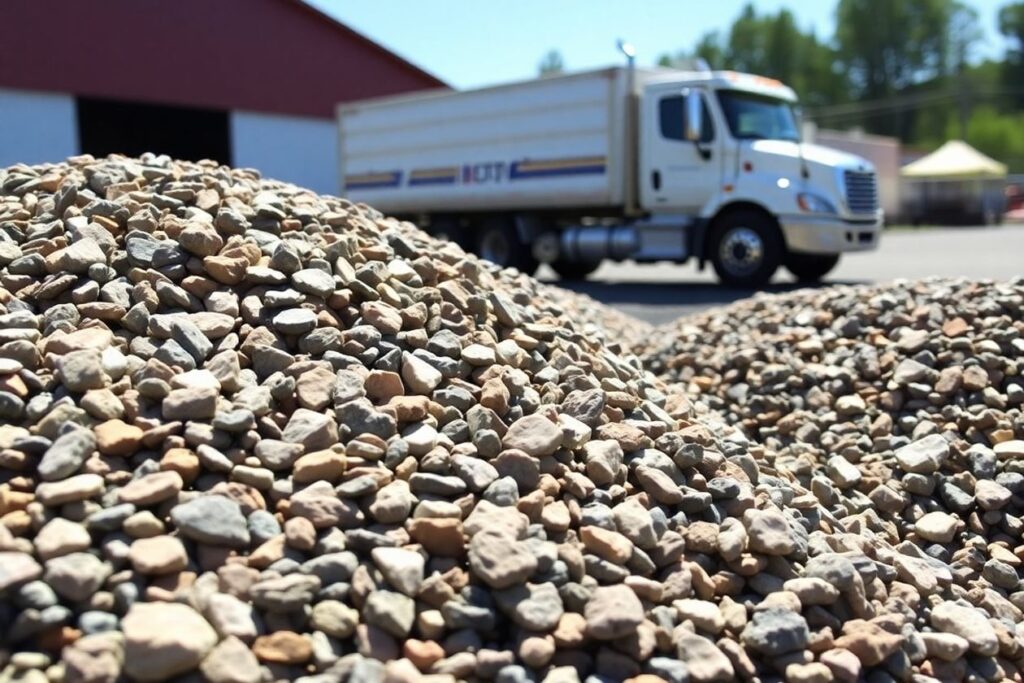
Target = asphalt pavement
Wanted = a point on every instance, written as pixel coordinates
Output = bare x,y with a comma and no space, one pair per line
659,293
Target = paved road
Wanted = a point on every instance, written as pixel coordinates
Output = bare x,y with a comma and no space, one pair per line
662,292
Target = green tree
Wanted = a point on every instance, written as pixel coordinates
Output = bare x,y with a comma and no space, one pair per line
888,45
770,45
1011,25
551,64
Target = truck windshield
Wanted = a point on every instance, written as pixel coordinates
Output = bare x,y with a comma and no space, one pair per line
758,117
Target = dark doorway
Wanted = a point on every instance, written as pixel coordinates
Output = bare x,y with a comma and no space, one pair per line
114,126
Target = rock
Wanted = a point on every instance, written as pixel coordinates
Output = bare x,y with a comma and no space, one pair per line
295,321
151,488
776,631
534,435
231,661
190,404
924,456
60,537
214,520
968,623
335,618
403,569
163,640
937,527
499,561
158,555
118,439
82,370
67,454
283,647
534,607
613,612
76,576
768,532
313,281
704,662
312,430
391,612
868,641
17,568
418,375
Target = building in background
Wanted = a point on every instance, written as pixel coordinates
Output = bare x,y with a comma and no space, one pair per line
251,83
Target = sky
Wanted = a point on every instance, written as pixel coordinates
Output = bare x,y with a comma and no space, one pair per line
473,43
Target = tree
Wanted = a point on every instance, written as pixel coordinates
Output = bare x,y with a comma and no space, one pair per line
1011,25
888,45
770,45
551,64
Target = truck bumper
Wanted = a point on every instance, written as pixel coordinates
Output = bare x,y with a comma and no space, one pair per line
825,235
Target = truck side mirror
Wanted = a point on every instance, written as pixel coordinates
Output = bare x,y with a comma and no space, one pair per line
693,128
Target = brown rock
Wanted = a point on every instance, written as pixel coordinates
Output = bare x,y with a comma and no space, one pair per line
870,642
115,437
440,536
320,465
609,545
422,653
283,647
158,555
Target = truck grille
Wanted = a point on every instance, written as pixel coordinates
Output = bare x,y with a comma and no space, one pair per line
861,191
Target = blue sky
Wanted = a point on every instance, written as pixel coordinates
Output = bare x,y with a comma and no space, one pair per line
471,43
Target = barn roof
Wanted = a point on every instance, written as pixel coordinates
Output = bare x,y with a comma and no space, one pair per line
280,56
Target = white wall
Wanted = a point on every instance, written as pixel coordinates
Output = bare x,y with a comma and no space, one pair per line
296,149
36,127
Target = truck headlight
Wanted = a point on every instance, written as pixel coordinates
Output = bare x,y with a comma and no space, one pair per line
812,203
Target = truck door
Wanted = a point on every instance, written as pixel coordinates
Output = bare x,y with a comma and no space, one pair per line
676,174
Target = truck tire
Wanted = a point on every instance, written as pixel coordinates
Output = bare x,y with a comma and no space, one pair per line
745,248
810,267
498,242
574,270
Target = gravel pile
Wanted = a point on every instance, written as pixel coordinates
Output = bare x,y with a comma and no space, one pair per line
258,434
249,433
900,408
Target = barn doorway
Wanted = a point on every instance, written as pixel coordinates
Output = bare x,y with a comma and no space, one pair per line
115,126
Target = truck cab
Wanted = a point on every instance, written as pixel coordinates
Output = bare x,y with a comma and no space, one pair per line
725,148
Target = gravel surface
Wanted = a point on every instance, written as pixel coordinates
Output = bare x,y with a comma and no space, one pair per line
250,433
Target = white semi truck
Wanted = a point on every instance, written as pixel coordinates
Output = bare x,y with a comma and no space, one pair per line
622,164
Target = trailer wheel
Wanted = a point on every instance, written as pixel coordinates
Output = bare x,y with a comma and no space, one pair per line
575,270
498,242
810,267
746,248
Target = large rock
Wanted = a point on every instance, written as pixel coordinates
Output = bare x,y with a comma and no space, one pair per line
163,640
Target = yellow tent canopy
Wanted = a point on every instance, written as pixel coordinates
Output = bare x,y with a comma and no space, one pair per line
955,160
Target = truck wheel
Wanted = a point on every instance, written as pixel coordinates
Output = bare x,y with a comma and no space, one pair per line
498,242
574,270
746,249
811,267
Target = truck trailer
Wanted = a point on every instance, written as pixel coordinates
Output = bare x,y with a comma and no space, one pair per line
620,163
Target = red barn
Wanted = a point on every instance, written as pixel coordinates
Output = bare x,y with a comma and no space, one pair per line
246,82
